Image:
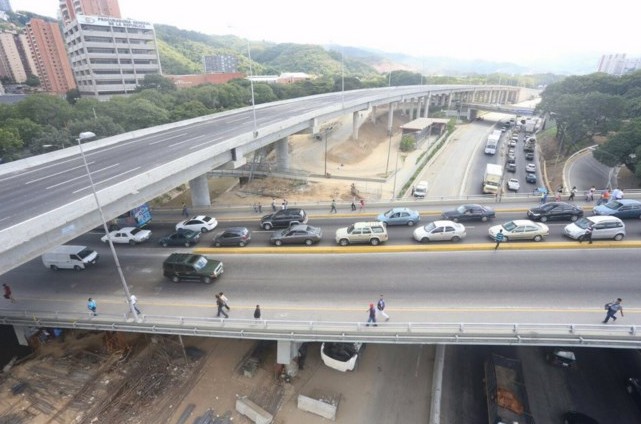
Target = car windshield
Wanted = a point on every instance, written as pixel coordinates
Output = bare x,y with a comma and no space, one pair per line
200,263
389,213
350,228
509,226
429,227
583,223
206,219
84,253
461,209
135,231
613,204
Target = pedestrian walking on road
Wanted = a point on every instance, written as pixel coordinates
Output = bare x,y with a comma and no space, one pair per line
8,294
257,313
372,315
333,207
225,300
499,238
260,208
273,205
572,194
185,211
613,308
353,204
134,303
380,306
587,236
220,304
362,202
91,305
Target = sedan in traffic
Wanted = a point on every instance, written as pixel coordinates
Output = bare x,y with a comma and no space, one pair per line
622,208
200,223
233,236
297,234
399,216
127,235
180,238
555,211
440,231
520,229
530,178
470,212
513,184
530,167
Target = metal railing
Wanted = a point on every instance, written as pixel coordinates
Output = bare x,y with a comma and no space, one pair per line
465,333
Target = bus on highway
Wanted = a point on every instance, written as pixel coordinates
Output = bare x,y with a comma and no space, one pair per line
137,217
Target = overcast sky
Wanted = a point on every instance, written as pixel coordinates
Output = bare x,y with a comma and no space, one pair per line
496,30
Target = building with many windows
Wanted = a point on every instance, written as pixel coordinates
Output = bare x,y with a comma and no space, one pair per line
618,64
110,56
70,9
218,64
50,56
11,65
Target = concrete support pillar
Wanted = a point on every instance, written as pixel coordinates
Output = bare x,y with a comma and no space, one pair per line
390,118
355,124
426,111
373,115
199,188
282,154
20,332
286,351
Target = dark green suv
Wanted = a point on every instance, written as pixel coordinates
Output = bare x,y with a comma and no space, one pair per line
187,266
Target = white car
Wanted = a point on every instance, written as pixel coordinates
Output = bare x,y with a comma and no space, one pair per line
200,223
340,356
127,235
530,167
440,231
513,184
520,229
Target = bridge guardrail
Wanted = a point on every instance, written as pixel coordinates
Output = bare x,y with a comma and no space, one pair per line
466,333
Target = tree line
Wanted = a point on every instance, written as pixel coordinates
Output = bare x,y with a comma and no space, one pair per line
594,106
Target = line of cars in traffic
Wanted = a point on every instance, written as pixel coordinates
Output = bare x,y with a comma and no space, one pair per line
290,226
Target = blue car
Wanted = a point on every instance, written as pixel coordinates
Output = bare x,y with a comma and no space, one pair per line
399,216
622,208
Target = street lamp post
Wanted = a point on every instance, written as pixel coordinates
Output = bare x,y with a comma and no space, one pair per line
251,84
389,151
85,136
395,174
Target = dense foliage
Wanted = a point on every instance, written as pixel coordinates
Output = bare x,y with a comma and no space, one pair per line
598,105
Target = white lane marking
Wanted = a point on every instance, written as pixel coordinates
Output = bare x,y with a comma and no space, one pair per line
82,176
57,173
109,179
151,143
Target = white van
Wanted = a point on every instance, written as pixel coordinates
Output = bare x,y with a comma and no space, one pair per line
69,257
420,190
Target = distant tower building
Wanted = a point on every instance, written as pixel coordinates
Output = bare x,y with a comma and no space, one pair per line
110,56
50,56
617,64
10,59
5,6
220,64
70,9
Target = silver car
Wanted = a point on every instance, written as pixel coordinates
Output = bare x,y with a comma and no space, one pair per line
603,227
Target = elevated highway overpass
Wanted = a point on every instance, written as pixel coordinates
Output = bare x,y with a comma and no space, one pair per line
46,200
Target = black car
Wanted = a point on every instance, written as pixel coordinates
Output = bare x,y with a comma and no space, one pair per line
530,178
555,211
633,387
233,236
529,155
284,218
510,167
471,212
297,234
182,237
573,417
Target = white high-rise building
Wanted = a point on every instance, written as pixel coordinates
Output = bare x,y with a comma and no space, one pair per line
617,64
110,56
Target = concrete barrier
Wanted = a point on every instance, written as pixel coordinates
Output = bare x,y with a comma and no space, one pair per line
319,407
253,411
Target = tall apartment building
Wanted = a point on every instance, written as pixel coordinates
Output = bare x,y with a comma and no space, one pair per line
618,64
50,56
70,9
220,64
10,58
110,56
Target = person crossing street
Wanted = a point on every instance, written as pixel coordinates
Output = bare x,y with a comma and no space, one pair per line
380,306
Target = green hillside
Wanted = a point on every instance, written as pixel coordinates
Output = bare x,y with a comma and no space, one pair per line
181,52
